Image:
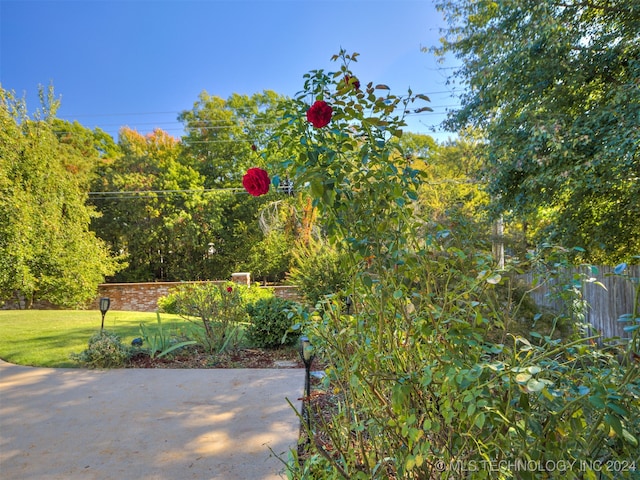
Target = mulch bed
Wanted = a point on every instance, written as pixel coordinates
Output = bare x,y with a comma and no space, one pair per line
242,358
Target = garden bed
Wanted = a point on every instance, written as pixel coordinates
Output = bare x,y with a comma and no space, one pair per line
241,358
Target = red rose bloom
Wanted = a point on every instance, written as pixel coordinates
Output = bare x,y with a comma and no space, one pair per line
319,115
256,182
229,289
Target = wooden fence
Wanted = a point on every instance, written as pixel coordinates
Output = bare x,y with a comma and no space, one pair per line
605,304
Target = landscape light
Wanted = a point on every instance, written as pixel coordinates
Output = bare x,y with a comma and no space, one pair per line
105,302
306,354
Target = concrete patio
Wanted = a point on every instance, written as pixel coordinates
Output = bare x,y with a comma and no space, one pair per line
147,424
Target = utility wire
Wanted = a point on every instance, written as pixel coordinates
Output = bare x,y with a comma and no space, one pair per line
285,188
156,194
187,129
214,124
128,114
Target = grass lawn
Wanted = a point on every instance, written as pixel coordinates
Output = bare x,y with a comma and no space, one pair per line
45,338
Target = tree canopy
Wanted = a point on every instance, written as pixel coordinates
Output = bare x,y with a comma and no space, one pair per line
46,248
223,135
555,87
176,207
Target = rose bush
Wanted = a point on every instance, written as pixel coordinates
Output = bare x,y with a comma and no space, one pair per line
432,380
256,181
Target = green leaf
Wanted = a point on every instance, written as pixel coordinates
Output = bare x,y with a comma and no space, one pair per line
618,409
621,267
410,463
625,317
613,422
317,188
583,390
535,385
629,438
176,346
597,402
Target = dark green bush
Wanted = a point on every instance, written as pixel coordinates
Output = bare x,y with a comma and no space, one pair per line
105,350
270,322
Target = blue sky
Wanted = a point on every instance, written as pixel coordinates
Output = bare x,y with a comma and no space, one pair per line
139,63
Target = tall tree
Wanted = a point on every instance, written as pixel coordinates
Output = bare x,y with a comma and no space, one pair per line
46,249
156,211
177,208
222,135
223,140
451,193
555,85
151,208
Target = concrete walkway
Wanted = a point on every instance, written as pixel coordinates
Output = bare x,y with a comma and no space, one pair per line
146,424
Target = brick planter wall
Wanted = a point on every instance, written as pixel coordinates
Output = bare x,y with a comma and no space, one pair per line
143,297
135,297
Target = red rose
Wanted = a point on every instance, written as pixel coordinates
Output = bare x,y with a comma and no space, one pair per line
319,115
353,81
229,289
256,182
254,148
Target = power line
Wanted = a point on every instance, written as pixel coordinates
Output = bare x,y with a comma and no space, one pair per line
191,190
222,124
159,194
187,128
252,109
155,194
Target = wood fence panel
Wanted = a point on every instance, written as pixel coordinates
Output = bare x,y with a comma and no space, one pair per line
605,305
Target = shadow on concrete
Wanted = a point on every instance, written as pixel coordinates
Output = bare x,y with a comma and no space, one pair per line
146,424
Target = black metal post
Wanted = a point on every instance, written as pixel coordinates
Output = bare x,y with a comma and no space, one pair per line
348,302
306,354
307,381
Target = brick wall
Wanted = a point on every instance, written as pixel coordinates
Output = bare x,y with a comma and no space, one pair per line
143,297
136,297
288,292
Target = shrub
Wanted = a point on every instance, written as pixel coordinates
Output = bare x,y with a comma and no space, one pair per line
269,259
425,391
270,322
253,293
317,270
160,342
184,299
105,350
219,310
